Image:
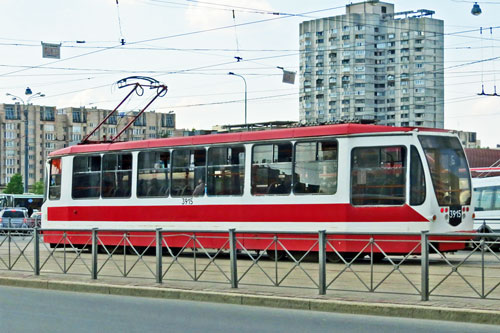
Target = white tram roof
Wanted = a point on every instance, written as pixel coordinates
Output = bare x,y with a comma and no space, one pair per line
486,181
250,136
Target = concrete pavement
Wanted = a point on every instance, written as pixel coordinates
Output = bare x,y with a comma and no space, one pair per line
397,305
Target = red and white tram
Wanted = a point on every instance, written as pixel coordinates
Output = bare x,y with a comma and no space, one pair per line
338,178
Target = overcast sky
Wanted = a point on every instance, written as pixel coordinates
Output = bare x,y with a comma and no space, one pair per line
191,46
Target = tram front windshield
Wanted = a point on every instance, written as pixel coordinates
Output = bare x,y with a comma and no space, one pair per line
448,168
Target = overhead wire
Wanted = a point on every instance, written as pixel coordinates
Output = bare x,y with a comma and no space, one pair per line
163,38
183,71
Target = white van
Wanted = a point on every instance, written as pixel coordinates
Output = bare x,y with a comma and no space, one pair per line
487,202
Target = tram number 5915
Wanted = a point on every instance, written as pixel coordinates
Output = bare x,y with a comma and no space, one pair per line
187,201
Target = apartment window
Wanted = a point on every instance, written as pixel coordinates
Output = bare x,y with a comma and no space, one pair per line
141,120
168,120
47,114
78,116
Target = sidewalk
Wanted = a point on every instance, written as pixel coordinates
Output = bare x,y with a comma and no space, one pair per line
462,309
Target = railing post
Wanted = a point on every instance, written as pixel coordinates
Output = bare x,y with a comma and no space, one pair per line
424,263
36,251
233,258
94,253
9,243
482,244
159,255
322,261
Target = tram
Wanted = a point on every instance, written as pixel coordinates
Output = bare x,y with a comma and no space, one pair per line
487,203
340,178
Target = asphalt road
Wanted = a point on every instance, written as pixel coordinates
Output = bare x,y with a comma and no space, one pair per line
33,310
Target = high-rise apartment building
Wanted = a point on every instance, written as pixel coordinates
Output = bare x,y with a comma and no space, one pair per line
373,63
50,129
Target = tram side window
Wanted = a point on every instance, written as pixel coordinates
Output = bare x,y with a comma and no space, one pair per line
315,167
272,169
86,177
188,172
417,178
487,198
226,170
55,179
378,176
153,174
116,175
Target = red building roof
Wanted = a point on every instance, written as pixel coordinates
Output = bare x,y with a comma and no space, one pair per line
483,158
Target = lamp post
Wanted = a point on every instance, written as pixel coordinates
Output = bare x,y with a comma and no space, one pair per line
231,73
476,10
31,96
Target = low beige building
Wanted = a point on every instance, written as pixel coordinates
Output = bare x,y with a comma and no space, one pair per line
50,129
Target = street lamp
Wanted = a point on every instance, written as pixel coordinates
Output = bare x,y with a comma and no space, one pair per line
231,73
476,10
31,96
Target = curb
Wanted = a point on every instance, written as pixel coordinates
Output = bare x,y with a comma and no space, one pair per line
365,308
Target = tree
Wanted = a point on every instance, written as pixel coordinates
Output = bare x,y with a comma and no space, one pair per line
38,189
15,186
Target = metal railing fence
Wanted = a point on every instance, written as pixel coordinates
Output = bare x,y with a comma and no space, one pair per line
331,262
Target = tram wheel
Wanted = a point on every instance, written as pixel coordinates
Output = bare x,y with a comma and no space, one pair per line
174,251
276,255
333,257
378,257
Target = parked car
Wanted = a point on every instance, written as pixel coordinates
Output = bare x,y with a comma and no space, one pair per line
15,218
36,218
